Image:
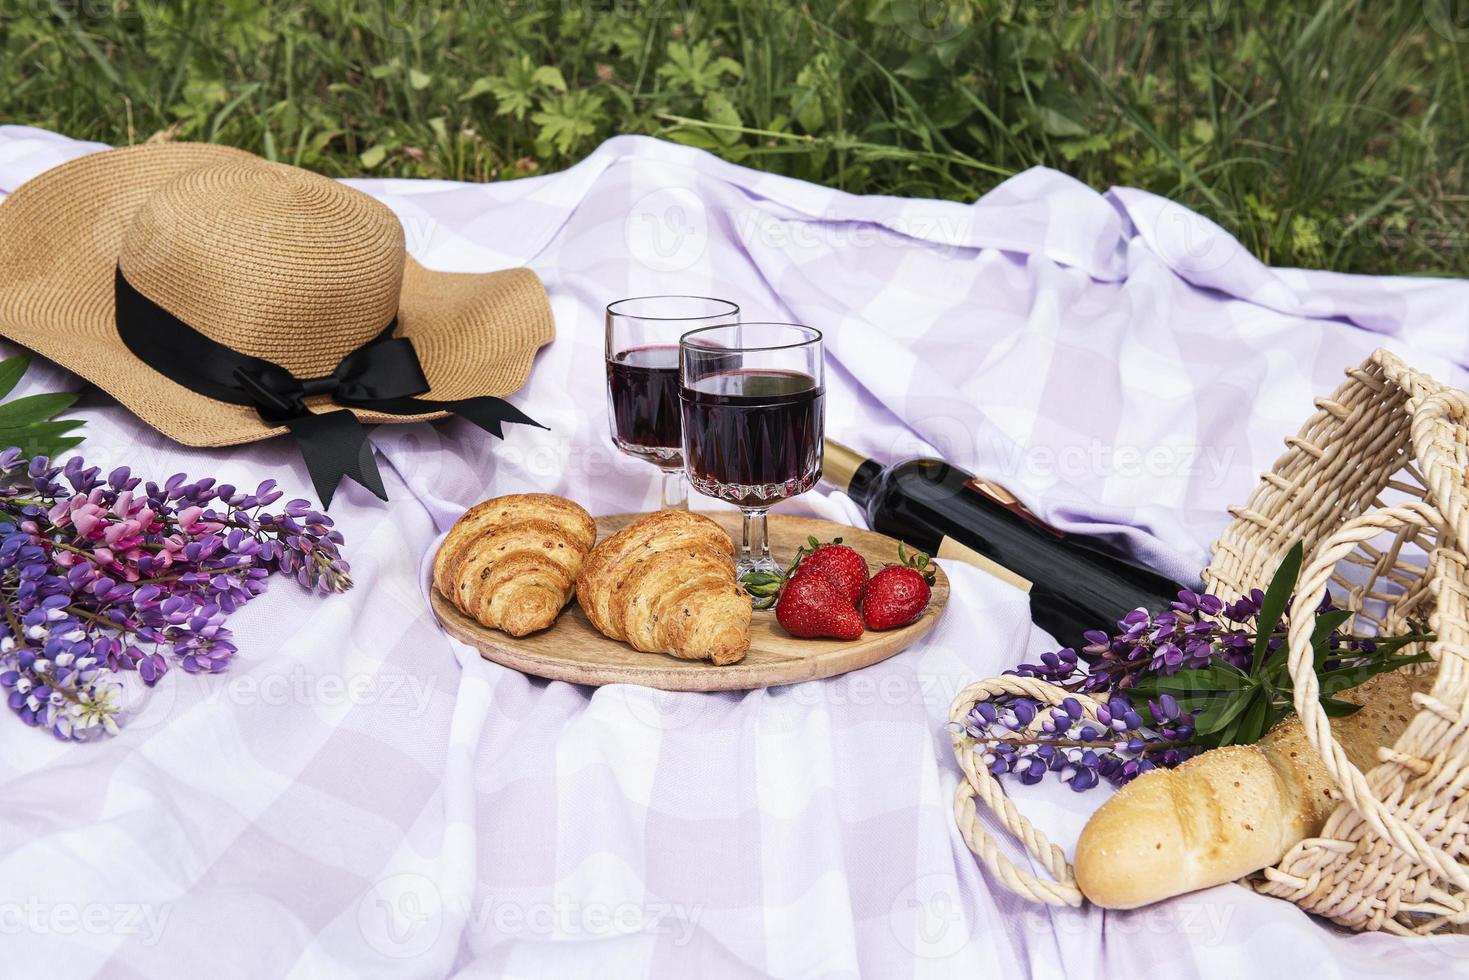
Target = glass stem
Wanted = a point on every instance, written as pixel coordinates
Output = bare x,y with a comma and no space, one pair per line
755,544
675,491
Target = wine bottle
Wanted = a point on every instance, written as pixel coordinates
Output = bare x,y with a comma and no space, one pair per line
1075,583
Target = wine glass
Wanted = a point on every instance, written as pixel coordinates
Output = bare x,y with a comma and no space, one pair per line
642,378
753,411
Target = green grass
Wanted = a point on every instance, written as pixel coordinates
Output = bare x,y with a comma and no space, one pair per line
1329,134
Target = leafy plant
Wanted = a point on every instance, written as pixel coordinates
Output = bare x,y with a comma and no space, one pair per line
1331,134
1172,683
567,120
696,68
1235,705
29,423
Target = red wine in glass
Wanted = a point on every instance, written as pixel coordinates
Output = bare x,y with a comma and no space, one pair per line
754,436
642,358
642,384
753,411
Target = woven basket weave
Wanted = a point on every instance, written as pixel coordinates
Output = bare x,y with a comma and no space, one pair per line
1375,487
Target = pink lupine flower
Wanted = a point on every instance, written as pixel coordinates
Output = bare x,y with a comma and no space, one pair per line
197,552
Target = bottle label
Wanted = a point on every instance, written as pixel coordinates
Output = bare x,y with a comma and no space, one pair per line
1008,500
951,549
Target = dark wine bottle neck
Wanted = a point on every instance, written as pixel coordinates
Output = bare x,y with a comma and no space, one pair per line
846,469
862,482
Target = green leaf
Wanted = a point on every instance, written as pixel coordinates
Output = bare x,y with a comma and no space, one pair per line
806,101
1335,708
1221,714
43,438
701,138
1217,677
10,434
1074,148
1342,678
1387,646
1326,624
11,370
918,67
58,447
719,109
1074,30
480,86
763,587
371,157
550,75
762,582
419,80
1255,721
566,121
229,108
515,90
1276,598
24,421
695,67
34,408
1054,123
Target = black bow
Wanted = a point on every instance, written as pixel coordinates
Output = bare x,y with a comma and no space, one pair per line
383,375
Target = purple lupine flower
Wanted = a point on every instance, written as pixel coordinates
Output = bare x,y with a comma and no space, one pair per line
1017,736
1116,746
102,576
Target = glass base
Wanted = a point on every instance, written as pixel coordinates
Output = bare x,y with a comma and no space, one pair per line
754,553
753,563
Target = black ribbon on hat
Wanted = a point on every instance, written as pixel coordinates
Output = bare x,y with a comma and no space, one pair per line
383,375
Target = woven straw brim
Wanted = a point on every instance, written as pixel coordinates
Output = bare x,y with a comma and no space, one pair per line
60,237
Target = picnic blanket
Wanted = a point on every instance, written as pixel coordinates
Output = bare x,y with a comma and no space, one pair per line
361,796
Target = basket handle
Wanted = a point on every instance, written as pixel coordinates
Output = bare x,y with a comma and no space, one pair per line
1443,479
979,785
1309,592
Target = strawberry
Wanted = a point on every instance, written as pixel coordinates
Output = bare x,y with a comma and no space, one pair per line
846,569
898,594
817,595
811,605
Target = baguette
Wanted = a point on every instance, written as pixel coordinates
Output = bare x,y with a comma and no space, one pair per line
1231,811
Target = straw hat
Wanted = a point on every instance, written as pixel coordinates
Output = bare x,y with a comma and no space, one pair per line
225,299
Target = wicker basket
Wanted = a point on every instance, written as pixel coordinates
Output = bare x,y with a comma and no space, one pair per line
1375,487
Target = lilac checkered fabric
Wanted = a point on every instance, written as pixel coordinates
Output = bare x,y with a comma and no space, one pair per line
360,796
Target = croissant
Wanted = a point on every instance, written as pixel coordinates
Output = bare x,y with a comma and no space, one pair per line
511,562
666,584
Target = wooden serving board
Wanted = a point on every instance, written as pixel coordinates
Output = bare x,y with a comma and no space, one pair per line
573,650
